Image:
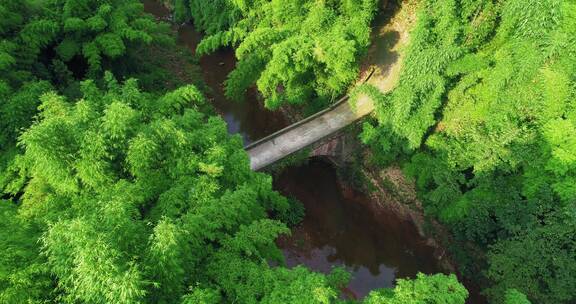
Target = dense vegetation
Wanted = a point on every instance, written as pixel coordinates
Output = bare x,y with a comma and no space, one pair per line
52,45
436,289
484,119
127,195
115,191
296,51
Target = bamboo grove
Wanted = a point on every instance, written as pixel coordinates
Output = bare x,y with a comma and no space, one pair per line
117,188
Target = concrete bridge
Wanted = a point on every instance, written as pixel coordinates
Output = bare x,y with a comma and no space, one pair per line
384,59
307,132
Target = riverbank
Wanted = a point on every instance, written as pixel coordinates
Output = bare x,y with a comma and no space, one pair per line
367,232
388,189
387,201
250,119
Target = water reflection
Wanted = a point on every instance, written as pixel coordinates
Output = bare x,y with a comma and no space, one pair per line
342,227
249,118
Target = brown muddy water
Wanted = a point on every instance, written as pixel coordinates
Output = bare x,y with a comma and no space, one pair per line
342,227
248,118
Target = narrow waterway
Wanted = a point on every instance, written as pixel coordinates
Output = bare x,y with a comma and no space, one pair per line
342,227
248,118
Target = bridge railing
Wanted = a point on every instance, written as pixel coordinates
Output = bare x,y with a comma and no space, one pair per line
305,120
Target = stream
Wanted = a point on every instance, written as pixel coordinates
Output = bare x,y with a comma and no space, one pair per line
342,226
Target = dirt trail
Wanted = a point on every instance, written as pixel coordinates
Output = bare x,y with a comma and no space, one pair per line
389,36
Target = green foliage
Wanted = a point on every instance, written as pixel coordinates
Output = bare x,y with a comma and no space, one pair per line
513,296
295,51
18,108
294,214
123,196
539,262
126,201
88,36
23,273
484,111
241,270
52,45
378,134
409,112
437,289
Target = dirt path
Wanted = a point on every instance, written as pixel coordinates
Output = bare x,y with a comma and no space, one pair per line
390,35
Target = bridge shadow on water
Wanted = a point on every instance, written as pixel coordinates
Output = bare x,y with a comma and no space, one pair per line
342,226
345,227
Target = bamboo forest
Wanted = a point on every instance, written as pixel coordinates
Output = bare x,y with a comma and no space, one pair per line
288,151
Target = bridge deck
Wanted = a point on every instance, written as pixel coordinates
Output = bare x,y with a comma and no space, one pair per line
303,134
385,58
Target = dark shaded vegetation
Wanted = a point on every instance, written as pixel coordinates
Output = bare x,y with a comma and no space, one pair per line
53,45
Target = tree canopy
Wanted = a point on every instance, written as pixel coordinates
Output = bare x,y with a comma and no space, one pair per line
57,40
434,289
53,45
483,118
117,190
296,51
127,194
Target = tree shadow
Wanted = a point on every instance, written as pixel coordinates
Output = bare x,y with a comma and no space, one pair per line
382,54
